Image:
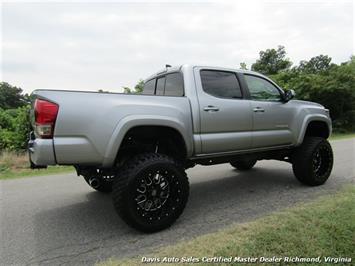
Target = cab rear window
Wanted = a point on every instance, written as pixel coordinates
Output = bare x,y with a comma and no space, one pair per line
174,85
169,85
149,87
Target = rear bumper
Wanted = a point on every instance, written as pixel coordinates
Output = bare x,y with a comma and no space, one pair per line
41,152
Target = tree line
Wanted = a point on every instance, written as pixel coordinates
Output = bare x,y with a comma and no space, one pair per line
316,79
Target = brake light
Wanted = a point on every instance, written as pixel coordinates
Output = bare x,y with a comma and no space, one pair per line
45,117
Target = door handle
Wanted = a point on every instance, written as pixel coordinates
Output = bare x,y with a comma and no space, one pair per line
258,110
210,108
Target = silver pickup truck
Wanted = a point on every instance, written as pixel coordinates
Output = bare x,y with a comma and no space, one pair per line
138,146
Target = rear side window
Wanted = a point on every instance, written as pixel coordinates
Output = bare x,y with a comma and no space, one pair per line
174,85
149,87
160,86
220,84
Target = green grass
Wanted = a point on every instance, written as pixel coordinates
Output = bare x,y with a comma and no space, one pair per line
16,165
336,136
11,174
325,227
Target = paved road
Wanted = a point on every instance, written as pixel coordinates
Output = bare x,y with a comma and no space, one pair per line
58,219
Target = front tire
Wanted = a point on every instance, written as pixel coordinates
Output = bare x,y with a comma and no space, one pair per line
312,162
243,165
151,192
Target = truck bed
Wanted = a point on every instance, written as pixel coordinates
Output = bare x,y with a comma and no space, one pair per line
86,129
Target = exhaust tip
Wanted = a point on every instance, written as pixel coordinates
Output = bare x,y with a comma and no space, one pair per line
94,182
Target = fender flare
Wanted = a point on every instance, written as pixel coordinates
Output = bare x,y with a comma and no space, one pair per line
311,118
131,121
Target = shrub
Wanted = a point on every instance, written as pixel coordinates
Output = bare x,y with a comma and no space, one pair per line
14,128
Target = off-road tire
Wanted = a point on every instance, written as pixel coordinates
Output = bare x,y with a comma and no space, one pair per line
312,161
243,165
151,192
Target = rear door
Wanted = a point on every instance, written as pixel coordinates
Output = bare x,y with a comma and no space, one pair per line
225,114
271,116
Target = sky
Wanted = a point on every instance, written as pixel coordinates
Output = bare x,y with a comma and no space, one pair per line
91,45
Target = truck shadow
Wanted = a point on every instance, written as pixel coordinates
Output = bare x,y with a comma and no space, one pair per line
90,230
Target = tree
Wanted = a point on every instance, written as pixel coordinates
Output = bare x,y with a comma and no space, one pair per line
316,64
102,91
243,66
127,90
333,87
14,128
138,89
139,86
11,96
272,61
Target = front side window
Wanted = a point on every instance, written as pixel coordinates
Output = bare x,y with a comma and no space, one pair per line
220,84
261,89
174,85
160,86
149,87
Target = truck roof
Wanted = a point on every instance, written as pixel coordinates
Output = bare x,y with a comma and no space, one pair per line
191,66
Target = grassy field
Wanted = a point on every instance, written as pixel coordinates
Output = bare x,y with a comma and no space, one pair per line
15,165
325,228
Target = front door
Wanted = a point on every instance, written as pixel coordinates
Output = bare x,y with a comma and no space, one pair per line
225,115
271,116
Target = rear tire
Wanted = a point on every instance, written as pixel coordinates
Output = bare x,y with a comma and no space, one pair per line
243,165
151,192
312,162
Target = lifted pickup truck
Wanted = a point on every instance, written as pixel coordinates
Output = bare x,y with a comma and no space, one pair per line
138,146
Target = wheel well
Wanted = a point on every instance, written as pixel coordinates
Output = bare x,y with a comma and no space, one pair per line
160,139
317,129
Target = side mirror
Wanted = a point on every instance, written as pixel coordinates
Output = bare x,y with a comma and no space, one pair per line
289,95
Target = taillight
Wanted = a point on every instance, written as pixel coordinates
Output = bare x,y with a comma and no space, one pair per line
45,117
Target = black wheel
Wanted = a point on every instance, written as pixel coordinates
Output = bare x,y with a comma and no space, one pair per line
312,162
99,180
151,192
243,165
